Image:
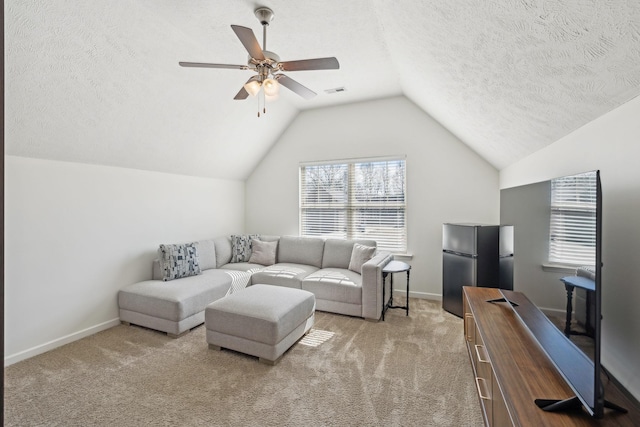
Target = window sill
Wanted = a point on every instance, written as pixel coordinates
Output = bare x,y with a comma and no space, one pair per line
402,256
560,268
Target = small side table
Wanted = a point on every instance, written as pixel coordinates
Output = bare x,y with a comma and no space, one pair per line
571,282
390,268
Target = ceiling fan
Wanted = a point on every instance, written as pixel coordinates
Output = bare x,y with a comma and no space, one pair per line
267,65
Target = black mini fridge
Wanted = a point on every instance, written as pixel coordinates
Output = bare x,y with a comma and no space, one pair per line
475,255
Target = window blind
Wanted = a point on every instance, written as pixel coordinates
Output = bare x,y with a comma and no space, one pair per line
355,200
572,229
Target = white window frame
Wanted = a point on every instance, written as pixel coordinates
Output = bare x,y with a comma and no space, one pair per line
345,207
572,224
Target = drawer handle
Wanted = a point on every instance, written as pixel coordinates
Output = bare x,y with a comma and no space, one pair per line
483,358
482,396
468,324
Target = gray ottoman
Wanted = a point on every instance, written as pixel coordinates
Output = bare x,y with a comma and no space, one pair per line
174,307
261,320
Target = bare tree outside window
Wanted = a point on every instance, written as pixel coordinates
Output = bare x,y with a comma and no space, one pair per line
355,200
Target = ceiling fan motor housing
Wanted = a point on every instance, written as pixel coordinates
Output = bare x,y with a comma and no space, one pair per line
269,65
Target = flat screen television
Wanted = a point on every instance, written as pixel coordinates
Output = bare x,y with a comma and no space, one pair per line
576,355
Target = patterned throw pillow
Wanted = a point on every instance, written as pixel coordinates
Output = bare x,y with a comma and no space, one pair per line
241,247
178,261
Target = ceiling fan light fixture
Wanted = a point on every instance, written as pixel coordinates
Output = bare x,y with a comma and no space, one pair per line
253,87
271,87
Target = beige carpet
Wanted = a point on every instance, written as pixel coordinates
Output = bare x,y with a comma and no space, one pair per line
410,371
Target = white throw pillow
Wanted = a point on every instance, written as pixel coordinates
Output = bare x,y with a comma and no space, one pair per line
263,252
360,255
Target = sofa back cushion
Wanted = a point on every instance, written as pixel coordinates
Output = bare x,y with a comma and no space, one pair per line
207,254
337,252
223,250
301,250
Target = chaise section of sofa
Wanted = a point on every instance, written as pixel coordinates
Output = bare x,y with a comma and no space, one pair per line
175,306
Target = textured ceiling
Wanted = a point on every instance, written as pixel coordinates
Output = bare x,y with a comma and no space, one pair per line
98,82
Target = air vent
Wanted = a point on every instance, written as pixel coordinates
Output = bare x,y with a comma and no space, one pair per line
336,90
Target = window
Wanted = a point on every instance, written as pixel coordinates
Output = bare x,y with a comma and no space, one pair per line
572,232
362,199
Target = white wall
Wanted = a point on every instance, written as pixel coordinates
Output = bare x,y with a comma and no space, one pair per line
611,144
76,233
446,181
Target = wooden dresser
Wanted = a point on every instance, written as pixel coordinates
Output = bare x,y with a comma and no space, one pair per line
510,368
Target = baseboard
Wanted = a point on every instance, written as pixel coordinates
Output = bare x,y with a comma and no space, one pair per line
421,295
43,348
553,312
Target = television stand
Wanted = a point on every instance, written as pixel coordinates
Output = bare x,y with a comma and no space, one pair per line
511,368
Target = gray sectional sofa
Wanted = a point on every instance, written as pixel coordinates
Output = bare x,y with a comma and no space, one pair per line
320,266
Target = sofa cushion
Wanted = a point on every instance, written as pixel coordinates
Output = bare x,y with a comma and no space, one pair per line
242,266
178,261
301,250
269,238
263,253
335,284
241,247
337,252
223,250
156,270
206,254
359,256
283,274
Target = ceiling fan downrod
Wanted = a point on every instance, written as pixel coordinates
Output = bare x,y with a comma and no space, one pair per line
264,15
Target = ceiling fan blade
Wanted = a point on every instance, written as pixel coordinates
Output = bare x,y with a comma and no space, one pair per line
243,94
294,86
249,41
207,65
311,64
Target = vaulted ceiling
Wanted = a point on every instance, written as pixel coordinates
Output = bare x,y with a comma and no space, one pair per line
99,82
